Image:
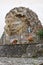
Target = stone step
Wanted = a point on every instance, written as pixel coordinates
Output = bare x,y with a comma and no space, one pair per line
21,50
21,61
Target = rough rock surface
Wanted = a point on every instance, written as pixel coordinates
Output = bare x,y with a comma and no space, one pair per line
21,50
20,23
22,16
21,61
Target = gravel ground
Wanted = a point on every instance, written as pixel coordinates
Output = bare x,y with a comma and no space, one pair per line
21,61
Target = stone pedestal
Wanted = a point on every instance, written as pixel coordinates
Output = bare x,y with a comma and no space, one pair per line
21,50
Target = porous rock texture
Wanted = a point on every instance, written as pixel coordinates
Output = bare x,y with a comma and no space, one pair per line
21,23
21,50
21,27
21,61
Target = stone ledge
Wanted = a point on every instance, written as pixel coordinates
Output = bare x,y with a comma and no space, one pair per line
21,50
21,61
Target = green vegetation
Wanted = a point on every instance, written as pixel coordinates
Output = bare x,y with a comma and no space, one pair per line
40,33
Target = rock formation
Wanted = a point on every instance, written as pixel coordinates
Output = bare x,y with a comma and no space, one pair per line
21,23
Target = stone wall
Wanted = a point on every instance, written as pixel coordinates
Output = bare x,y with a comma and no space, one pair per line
22,50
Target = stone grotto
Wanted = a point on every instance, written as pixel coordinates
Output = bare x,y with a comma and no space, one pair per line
19,38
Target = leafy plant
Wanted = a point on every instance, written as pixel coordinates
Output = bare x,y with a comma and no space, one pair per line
40,33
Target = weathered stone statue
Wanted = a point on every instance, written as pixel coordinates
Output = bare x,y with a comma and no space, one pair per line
21,26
